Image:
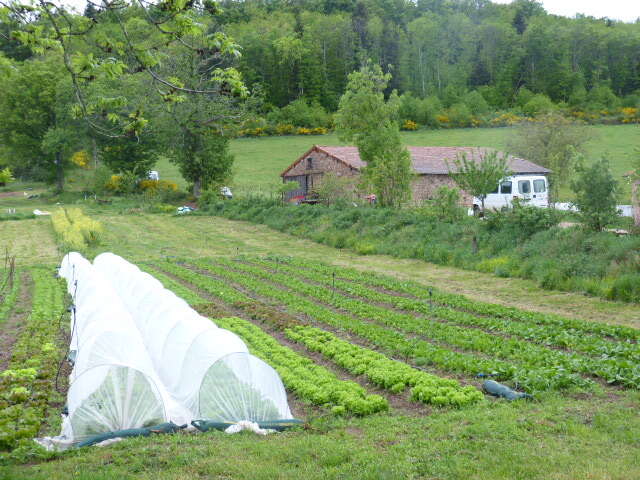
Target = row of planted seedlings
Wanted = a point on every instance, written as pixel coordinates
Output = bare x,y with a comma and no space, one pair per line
393,342
380,370
434,296
532,374
28,386
546,334
9,292
310,382
613,370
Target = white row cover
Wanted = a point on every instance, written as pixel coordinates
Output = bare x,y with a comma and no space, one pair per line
143,357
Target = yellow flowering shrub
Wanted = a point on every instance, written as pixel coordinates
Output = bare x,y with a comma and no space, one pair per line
443,120
81,159
409,125
285,129
157,186
303,131
74,229
114,183
630,115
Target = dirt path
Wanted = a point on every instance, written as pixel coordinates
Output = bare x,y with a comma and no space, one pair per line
11,328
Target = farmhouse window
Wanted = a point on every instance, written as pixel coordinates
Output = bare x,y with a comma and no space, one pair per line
539,186
309,163
524,186
505,187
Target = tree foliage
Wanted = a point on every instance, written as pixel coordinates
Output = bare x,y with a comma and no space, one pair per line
551,141
371,123
596,193
479,176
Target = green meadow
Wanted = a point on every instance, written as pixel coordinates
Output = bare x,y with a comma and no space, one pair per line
259,161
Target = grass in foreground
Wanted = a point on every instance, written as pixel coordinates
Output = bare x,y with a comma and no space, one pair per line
559,438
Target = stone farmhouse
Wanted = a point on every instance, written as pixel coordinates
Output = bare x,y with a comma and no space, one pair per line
429,164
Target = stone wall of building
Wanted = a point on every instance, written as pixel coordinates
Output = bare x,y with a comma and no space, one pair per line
424,187
309,174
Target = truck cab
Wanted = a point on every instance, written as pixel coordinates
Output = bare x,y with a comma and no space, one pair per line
528,189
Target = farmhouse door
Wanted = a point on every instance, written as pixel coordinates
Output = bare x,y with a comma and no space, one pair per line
302,181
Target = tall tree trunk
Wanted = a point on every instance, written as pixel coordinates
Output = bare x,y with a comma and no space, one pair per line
59,172
197,187
94,152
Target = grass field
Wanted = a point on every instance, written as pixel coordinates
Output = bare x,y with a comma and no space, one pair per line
574,430
259,161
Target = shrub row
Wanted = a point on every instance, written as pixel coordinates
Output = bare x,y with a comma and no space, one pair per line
384,372
27,387
571,259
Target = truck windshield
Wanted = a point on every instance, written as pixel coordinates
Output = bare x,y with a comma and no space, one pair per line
539,186
524,186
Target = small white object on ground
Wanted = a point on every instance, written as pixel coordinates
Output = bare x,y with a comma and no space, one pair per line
54,444
108,442
40,212
250,426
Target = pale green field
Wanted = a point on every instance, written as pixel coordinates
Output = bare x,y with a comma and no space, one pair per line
259,161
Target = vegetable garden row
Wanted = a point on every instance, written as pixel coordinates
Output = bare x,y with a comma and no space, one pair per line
449,333
27,386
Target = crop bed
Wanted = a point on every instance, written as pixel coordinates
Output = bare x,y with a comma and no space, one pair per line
28,386
423,327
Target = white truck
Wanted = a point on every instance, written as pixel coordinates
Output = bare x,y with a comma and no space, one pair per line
528,188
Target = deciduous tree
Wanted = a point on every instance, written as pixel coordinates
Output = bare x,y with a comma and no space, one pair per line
479,176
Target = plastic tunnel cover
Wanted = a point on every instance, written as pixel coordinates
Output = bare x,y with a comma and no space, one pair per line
113,397
240,386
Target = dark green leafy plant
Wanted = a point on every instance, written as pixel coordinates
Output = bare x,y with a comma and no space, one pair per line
596,193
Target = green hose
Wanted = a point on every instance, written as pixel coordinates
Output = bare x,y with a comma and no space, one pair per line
131,432
278,425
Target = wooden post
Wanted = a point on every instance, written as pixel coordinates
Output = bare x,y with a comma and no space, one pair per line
635,202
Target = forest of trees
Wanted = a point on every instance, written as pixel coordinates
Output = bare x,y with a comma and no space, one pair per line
71,81
441,48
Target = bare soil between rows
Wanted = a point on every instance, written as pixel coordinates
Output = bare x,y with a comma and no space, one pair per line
10,330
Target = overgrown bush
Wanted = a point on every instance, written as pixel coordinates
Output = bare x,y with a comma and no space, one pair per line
626,288
6,176
521,221
445,205
519,243
300,113
596,194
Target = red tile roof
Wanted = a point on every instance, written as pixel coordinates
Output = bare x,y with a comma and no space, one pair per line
426,160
